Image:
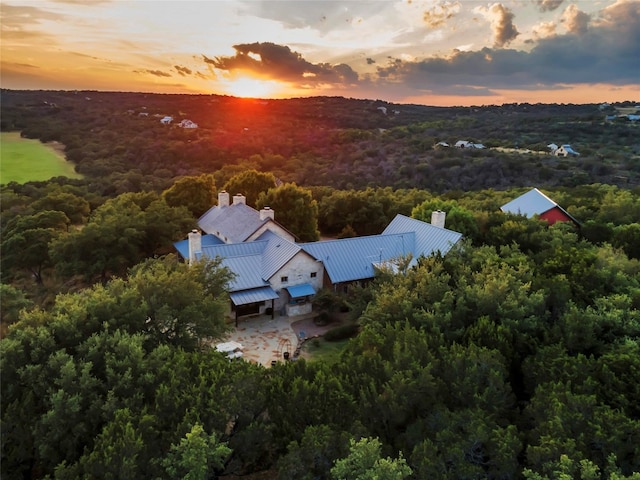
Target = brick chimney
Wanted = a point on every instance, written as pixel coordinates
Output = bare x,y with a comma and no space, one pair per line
266,212
195,245
239,198
223,199
438,218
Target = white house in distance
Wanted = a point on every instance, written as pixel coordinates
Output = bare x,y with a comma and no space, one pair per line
467,144
187,124
166,120
273,273
562,151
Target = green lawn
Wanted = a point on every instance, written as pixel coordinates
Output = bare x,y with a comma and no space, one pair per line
319,350
23,160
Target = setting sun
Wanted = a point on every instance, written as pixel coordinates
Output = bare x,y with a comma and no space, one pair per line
248,87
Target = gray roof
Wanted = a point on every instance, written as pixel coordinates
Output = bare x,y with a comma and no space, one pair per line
534,202
233,224
429,238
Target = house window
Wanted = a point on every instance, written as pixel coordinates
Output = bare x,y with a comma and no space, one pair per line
284,279
313,274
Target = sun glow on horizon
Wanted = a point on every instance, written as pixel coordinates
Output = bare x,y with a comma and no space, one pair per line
249,87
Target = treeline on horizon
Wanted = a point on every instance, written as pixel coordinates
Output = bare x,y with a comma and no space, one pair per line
117,141
514,356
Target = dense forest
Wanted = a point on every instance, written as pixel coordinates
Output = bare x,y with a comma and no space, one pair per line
515,356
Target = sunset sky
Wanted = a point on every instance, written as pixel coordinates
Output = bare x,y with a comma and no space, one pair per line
432,52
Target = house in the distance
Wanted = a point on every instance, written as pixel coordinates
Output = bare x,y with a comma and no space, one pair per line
467,144
535,203
166,120
273,273
562,151
187,124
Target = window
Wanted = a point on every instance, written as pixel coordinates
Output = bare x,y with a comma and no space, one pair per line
284,279
313,274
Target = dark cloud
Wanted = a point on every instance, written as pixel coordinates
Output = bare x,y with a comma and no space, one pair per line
279,62
605,53
575,20
182,70
437,15
157,73
548,5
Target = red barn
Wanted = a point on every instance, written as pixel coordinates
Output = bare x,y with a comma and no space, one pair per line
534,202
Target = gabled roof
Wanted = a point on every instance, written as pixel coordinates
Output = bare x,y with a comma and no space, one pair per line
429,238
277,252
350,259
534,202
233,223
253,263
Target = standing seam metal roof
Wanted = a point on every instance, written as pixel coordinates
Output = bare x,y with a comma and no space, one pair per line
350,259
429,238
534,202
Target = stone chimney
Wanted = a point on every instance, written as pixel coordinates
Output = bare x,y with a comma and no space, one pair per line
239,198
437,218
195,245
266,212
223,199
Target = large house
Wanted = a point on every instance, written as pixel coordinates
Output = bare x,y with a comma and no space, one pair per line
273,273
534,202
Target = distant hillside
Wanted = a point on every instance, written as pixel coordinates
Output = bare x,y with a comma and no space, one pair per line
118,142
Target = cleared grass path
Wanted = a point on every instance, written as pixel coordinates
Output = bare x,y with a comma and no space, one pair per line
23,160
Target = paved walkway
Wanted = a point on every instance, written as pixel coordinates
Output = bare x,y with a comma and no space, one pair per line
265,340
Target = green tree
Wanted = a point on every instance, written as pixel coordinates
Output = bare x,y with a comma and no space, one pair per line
365,462
197,193
294,208
250,183
313,456
26,239
76,208
197,456
458,218
121,233
12,301
183,304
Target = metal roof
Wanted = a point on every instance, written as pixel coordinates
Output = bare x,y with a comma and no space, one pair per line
233,223
429,239
302,290
252,296
247,272
350,259
207,240
276,254
534,202
253,263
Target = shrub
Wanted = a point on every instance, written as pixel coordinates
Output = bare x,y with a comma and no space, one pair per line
342,332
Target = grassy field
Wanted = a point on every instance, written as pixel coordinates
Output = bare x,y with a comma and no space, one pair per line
23,160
